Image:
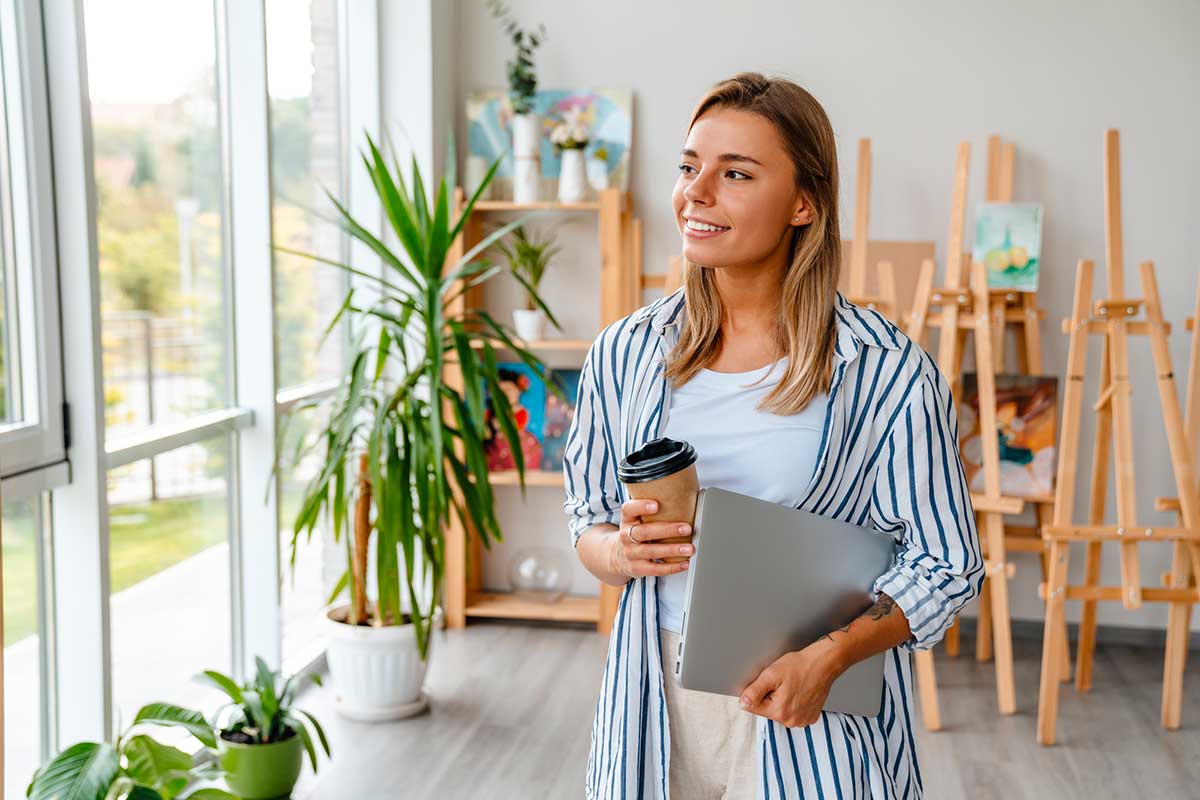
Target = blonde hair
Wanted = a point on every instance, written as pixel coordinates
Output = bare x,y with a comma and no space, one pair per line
805,328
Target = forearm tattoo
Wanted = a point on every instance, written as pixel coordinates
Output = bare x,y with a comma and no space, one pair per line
880,609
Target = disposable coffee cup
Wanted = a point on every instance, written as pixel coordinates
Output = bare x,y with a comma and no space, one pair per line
664,470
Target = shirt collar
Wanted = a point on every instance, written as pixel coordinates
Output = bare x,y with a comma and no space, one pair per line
855,326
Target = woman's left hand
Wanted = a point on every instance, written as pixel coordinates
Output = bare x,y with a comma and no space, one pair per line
792,689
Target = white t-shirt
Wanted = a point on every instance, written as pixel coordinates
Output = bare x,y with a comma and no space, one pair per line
740,448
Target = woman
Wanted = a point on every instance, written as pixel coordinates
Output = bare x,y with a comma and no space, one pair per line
791,394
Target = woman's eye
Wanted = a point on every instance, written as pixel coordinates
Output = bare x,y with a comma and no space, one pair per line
684,167
736,172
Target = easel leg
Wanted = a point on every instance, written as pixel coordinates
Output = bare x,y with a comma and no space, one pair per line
952,639
1179,618
983,637
1052,640
1045,514
927,689
1001,624
1098,493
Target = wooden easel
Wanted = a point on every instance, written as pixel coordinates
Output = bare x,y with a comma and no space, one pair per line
1114,318
975,309
885,299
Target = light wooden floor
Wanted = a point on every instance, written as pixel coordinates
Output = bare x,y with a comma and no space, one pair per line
513,709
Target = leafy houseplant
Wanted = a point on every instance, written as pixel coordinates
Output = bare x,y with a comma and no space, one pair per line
522,82
418,441
261,737
527,260
135,767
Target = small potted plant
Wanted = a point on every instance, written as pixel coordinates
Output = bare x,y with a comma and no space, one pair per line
261,737
135,767
527,260
570,136
401,441
522,88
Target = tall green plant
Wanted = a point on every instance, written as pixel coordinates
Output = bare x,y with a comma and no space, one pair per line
394,404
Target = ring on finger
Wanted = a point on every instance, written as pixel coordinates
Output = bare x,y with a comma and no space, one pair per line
631,536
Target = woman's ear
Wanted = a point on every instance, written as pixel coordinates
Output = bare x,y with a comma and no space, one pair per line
803,213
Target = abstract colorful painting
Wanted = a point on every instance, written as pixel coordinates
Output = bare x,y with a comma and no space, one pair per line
610,112
558,418
526,393
1026,431
1008,240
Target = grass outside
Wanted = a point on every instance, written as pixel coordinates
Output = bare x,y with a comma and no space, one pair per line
146,538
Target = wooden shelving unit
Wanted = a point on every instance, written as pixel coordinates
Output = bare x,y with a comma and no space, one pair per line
621,284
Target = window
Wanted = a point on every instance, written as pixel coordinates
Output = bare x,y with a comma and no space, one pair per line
24,527
306,160
169,573
158,167
31,410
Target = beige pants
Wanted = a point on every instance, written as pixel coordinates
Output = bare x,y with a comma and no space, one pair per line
712,739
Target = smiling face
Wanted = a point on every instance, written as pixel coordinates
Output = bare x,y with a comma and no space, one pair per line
735,173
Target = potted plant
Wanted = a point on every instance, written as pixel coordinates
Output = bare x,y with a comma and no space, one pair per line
597,168
522,87
135,767
417,441
260,736
527,260
570,137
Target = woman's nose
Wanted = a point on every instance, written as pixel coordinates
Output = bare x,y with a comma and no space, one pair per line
698,190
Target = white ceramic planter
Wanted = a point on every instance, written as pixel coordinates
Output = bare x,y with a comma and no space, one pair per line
526,135
572,177
527,180
377,673
597,173
530,325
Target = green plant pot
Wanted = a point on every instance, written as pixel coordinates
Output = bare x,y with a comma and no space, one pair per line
261,771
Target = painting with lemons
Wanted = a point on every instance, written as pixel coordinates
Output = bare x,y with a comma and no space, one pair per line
1008,240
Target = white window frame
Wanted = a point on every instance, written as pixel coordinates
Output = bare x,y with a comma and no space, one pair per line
37,441
81,543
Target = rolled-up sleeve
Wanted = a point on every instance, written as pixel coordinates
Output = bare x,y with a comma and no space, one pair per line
921,495
589,471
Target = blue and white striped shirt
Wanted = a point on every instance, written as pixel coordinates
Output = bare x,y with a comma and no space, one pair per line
888,460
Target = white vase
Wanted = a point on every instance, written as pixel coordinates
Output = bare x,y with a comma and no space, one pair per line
597,173
377,673
526,135
477,168
572,177
530,325
527,180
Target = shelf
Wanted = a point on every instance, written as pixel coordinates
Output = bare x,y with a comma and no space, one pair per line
543,344
533,477
503,605
544,205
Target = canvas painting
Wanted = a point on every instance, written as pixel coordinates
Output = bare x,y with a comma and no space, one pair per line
558,418
1008,240
608,111
526,393
1026,431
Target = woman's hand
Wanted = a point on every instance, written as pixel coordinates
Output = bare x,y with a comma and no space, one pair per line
634,556
792,689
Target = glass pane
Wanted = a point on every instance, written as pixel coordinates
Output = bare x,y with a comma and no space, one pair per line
20,528
158,179
169,568
10,393
319,562
302,78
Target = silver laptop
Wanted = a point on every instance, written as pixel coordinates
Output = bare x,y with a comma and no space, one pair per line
767,579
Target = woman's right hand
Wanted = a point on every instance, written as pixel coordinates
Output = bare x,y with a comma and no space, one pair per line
634,556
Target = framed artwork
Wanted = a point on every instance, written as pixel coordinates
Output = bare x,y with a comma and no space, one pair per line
558,418
610,116
527,395
1026,431
1008,240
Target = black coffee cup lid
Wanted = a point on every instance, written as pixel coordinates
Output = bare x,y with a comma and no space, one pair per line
656,459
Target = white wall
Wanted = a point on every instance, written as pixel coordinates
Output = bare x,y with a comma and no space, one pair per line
917,78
